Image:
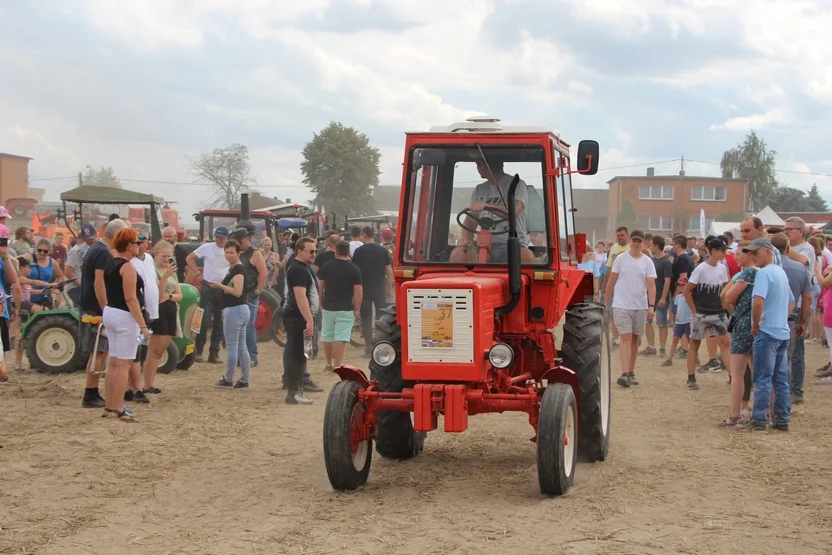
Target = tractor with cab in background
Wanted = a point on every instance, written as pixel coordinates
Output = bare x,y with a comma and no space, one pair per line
472,330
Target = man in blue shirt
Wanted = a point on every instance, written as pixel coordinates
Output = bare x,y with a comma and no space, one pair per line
773,302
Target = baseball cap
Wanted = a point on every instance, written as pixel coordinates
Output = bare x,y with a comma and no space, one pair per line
637,234
87,232
3,212
387,234
717,243
757,244
221,232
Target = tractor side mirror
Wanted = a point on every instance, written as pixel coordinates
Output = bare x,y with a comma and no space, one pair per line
588,152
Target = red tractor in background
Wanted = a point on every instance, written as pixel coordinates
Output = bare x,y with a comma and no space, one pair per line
472,329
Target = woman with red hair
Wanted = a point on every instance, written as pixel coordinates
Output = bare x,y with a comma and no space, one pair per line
122,318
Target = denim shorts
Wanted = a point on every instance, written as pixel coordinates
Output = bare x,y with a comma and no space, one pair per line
681,330
660,316
337,325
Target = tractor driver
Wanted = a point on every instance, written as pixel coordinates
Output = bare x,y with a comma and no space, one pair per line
492,193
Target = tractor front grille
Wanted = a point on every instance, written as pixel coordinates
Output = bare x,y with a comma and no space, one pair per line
440,325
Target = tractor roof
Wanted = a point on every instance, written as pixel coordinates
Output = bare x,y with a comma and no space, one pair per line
108,195
233,213
489,125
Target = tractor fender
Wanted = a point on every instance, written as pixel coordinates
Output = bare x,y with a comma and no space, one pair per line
351,373
561,374
34,317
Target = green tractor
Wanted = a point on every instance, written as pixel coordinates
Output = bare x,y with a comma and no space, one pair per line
51,337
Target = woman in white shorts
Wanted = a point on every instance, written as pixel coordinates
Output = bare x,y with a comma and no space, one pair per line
123,319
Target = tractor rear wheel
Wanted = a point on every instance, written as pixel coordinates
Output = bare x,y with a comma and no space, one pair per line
169,360
586,351
557,434
52,344
347,458
396,437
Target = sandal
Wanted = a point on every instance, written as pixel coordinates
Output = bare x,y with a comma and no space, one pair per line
730,421
122,415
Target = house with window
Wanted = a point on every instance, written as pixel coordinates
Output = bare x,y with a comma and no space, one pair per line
667,204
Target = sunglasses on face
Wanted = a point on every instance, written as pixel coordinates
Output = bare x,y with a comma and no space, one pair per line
142,238
313,251
43,251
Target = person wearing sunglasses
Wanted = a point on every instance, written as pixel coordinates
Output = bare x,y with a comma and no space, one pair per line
123,319
45,270
301,303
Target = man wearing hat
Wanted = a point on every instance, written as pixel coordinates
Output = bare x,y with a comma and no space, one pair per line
772,304
254,266
214,270
75,261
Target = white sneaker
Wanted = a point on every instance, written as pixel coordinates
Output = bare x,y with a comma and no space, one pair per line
301,400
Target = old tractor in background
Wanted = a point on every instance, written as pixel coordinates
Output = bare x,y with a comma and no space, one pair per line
51,337
473,330
267,225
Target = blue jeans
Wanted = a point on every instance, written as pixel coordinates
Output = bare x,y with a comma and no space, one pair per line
771,368
234,322
251,331
319,320
797,362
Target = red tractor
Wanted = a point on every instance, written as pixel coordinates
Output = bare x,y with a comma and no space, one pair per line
473,327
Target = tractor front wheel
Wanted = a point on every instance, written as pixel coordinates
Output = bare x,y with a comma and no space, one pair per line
557,439
586,351
346,455
169,360
396,438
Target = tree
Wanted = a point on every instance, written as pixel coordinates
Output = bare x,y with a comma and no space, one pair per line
815,202
341,167
101,177
752,161
627,217
788,199
227,172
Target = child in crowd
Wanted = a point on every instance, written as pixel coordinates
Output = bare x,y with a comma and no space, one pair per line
27,308
681,327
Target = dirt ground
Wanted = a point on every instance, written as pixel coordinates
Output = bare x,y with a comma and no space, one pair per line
205,471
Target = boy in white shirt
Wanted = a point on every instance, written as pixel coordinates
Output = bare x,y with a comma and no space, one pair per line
632,288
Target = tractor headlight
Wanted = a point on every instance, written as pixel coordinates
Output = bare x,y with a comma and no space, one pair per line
501,356
384,353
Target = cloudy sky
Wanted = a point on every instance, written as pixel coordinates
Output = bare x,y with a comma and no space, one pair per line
140,85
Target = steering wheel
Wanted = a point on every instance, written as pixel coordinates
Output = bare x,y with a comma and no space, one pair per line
61,285
486,223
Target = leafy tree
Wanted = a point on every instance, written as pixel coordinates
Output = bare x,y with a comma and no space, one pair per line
341,167
788,199
227,172
627,217
752,160
101,177
731,217
815,202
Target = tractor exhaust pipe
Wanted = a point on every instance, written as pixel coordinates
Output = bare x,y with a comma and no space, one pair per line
512,250
245,211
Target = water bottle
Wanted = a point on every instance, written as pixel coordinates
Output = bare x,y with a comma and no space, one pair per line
307,346
142,338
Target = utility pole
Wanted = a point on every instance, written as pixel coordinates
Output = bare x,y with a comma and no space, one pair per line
80,180
682,171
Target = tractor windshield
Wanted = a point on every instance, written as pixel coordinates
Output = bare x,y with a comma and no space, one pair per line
450,191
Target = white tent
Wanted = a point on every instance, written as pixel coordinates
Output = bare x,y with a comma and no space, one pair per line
718,228
770,217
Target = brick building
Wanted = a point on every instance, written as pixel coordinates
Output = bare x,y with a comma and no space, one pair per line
14,177
672,203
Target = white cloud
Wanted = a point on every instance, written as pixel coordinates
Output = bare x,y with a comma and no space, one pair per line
756,121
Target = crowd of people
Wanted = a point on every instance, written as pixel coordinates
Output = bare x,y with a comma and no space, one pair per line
121,281
755,302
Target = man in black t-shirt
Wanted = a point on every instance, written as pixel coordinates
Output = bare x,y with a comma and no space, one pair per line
341,299
683,265
377,280
329,254
298,320
93,300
